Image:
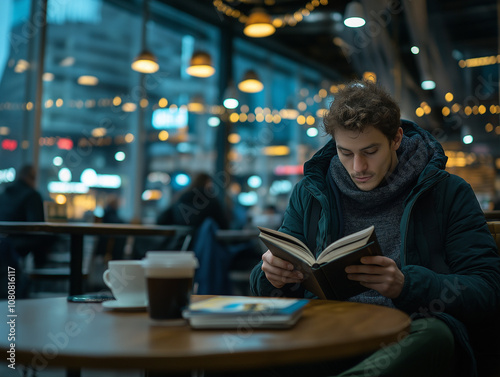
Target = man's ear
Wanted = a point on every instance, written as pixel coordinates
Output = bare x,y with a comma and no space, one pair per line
396,142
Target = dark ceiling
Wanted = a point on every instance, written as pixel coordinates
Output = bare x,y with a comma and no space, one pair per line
446,31
470,26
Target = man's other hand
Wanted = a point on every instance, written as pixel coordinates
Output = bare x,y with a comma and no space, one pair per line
378,273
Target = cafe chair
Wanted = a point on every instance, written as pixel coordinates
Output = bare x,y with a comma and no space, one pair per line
55,212
493,215
54,275
214,258
10,260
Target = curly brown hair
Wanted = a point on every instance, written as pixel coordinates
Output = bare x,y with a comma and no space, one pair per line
361,104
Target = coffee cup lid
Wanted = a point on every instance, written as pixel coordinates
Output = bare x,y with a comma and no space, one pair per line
170,259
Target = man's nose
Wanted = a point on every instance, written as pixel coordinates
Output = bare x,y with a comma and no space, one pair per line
359,164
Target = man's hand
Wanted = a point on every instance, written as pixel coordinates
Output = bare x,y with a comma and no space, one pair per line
378,273
278,271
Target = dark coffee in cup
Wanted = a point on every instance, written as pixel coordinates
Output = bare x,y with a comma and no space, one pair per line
169,277
168,297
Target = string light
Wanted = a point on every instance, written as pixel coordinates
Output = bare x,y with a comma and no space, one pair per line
277,22
479,62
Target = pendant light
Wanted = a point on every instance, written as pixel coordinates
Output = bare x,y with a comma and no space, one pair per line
200,65
230,100
145,62
251,83
354,15
259,24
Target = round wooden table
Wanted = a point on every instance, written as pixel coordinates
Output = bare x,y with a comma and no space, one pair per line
53,332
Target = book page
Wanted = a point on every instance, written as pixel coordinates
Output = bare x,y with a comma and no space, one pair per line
345,245
285,237
289,247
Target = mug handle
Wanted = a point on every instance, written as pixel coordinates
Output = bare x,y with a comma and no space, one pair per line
105,277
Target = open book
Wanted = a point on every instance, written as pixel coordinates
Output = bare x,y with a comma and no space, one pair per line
325,275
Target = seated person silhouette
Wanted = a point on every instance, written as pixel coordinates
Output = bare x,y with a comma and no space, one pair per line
192,206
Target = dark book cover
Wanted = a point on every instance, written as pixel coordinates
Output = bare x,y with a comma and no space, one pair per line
329,280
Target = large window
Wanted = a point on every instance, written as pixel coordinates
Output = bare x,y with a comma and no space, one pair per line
276,130
105,127
18,65
104,130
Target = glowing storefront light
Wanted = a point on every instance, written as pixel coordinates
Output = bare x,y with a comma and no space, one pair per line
468,139
248,198
120,156
213,121
254,181
281,187
7,175
312,132
65,175
182,179
67,187
89,177
170,118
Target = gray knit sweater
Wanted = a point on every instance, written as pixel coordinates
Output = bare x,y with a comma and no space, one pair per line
383,206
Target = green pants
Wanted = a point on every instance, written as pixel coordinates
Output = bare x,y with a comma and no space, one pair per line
428,350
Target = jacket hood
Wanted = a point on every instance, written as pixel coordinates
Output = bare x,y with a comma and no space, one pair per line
317,167
435,150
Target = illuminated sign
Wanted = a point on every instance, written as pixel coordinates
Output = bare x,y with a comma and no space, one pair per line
89,178
7,175
170,118
64,143
68,187
9,144
289,170
108,181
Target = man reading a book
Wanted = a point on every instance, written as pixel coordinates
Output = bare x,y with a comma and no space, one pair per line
439,262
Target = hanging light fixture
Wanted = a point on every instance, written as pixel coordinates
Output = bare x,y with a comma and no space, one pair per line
145,62
200,65
196,104
428,84
251,83
259,24
230,100
354,15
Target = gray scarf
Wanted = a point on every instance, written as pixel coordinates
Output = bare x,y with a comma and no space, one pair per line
383,206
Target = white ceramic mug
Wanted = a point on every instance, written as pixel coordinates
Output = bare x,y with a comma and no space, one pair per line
126,280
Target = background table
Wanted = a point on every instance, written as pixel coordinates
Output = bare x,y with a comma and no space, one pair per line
78,230
72,335
237,235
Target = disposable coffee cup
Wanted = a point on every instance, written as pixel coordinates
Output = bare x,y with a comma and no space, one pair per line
125,279
169,277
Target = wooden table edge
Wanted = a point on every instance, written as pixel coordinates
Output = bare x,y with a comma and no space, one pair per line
239,360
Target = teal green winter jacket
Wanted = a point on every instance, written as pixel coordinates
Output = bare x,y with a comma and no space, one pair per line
448,256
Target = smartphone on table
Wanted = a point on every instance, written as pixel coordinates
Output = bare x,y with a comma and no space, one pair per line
91,298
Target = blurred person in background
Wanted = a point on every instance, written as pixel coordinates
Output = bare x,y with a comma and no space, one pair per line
198,207
20,201
111,247
195,204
